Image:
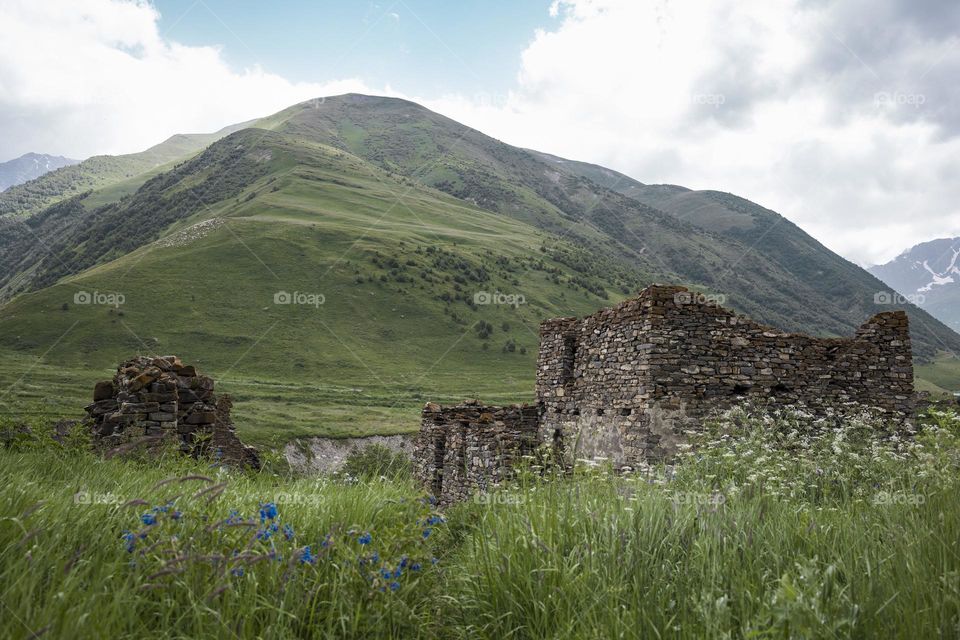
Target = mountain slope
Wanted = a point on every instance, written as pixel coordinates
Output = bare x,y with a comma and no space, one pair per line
409,275
836,288
928,274
100,171
764,264
419,256
28,167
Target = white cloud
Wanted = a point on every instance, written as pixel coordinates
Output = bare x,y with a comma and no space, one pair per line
82,77
783,102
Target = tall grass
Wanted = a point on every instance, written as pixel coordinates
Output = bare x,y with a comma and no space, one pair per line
832,533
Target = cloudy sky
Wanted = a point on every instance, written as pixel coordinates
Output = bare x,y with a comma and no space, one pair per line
842,115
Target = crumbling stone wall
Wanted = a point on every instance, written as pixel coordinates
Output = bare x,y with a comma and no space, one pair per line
627,383
470,448
158,397
650,368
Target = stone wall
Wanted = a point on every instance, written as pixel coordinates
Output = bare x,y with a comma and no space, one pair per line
627,384
160,397
650,368
470,448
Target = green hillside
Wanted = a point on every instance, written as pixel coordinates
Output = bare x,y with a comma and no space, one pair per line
399,266
406,223
765,265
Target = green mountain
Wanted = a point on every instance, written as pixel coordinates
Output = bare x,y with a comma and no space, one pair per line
342,261
764,264
100,171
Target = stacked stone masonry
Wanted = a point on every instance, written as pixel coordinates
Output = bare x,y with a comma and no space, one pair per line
470,448
160,397
626,383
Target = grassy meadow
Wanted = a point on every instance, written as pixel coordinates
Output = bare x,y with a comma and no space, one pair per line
771,526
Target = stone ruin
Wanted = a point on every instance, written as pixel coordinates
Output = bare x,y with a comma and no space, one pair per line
626,383
470,448
151,399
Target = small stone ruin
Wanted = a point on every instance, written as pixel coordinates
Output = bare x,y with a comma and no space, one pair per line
628,383
470,448
154,398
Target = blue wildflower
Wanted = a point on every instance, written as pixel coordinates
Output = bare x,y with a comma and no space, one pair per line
131,541
394,586
375,557
403,562
386,574
426,533
288,532
365,538
264,534
398,572
327,541
307,557
435,520
415,566
237,571
176,515
148,519
268,511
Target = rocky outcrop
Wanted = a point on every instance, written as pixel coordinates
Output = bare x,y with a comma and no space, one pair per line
159,398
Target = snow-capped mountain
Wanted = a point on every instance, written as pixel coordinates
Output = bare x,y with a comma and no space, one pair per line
29,166
929,275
